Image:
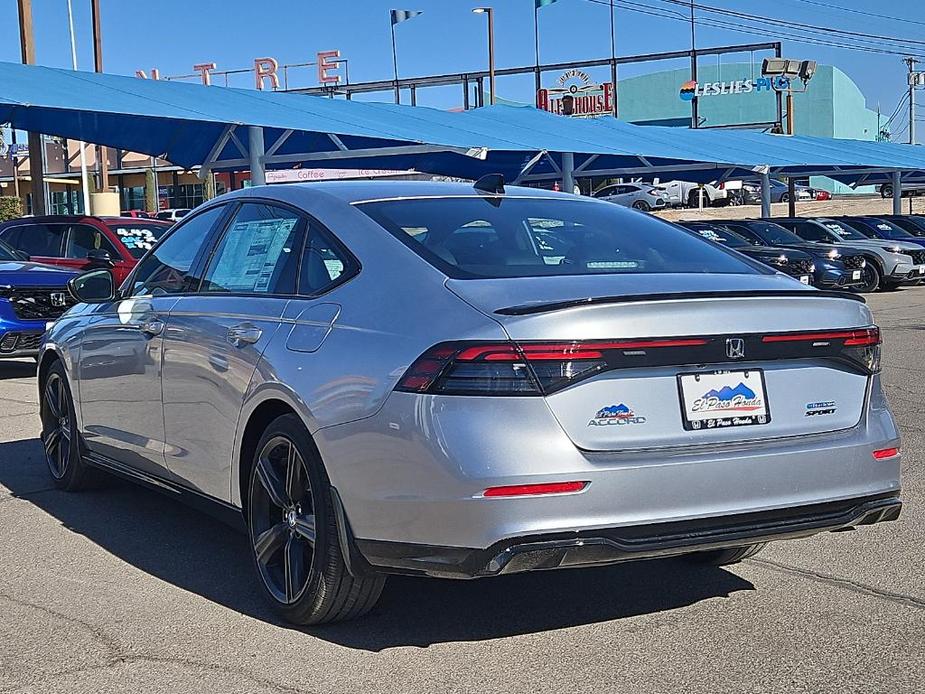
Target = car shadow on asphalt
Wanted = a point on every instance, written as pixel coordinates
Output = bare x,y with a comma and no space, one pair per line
197,553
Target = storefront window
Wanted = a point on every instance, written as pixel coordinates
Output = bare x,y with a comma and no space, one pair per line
132,198
186,195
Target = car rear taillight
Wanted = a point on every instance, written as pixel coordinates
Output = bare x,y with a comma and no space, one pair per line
529,368
860,346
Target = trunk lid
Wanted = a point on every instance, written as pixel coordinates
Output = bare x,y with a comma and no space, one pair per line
651,399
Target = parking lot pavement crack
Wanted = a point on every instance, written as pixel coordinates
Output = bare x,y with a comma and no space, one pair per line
116,655
157,660
101,636
855,586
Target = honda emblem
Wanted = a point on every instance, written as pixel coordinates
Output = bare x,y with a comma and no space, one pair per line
58,299
735,348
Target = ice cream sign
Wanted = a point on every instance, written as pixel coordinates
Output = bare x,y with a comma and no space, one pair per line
694,90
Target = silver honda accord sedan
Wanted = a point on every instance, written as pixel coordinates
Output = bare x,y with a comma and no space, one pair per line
465,381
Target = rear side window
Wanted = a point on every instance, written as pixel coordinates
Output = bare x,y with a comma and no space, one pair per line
477,237
324,263
258,253
46,240
83,238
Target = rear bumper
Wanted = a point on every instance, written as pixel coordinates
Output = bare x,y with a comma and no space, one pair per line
627,543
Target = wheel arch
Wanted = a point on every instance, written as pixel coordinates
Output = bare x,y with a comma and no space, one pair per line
260,409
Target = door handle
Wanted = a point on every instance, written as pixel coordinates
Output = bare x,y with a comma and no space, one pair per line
244,334
152,328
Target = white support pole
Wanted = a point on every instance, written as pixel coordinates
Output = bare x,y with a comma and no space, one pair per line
568,172
255,152
897,193
765,193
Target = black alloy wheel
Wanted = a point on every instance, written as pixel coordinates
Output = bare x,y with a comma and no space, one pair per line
293,529
59,436
282,520
870,279
642,206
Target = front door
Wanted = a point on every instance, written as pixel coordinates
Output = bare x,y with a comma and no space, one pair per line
121,353
119,372
215,339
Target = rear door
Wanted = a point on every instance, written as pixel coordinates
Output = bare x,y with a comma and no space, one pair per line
216,337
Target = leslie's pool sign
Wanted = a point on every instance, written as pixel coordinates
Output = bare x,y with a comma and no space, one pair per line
575,94
694,90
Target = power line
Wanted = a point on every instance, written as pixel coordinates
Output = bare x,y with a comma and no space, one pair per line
795,25
811,38
840,8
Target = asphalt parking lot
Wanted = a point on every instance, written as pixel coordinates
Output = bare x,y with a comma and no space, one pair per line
123,590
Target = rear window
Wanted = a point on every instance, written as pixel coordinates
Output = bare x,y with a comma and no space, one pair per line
481,237
138,237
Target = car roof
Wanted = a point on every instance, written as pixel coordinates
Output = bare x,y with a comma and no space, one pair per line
79,218
363,191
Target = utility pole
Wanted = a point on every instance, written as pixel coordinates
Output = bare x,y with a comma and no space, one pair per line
913,78
36,145
98,67
695,110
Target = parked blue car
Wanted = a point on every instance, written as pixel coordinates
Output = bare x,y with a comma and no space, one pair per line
30,296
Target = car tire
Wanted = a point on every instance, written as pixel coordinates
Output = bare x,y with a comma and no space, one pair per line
641,205
722,557
870,278
293,532
60,440
785,197
886,192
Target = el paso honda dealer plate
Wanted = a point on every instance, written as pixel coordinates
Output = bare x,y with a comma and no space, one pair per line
723,399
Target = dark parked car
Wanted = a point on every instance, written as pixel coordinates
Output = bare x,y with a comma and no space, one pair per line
791,261
82,242
890,264
835,268
880,228
913,223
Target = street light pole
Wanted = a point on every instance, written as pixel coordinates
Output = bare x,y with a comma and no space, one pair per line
98,67
491,48
36,145
84,179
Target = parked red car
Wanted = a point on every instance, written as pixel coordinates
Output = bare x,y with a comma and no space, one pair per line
823,195
82,243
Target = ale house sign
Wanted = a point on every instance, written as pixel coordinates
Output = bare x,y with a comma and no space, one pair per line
575,94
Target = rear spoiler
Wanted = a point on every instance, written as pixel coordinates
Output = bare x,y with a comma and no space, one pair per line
546,307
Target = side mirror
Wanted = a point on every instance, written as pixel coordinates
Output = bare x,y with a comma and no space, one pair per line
99,258
94,287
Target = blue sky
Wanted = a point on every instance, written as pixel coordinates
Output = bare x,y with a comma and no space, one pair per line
172,35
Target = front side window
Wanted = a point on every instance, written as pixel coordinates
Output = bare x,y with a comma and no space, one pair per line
479,237
842,231
83,238
258,253
166,270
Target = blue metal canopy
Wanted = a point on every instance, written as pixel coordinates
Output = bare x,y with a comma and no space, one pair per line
225,128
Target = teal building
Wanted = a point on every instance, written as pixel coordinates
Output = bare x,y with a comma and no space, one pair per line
736,93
